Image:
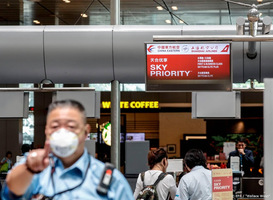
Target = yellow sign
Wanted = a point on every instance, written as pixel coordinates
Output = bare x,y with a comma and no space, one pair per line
133,104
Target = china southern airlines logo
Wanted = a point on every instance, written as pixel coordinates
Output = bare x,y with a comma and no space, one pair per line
225,49
151,48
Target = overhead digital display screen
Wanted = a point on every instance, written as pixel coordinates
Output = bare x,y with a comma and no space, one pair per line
188,66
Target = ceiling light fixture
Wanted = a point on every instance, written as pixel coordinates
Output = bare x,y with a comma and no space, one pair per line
174,8
36,21
181,21
259,1
168,21
159,8
84,15
67,1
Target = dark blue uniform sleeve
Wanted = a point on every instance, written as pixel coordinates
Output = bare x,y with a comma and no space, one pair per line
248,157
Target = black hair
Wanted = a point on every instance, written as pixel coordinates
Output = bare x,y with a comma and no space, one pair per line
241,139
68,103
195,157
7,153
156,156
25,148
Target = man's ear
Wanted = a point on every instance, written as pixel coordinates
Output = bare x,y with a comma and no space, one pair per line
87,129
187,167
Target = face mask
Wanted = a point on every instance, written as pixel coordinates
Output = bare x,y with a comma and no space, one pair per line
63,143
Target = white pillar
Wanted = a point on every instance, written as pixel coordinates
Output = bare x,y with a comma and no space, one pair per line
268,138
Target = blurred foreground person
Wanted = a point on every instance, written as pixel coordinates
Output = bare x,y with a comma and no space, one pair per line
158,162
195,185
69,172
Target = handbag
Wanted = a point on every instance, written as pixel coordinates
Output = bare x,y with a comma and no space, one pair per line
4,167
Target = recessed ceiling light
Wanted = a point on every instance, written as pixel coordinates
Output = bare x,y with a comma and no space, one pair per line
36,21
159,8
67,1
168,21
84,15
174,8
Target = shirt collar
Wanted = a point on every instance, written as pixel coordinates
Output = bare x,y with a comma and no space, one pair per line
197,168
80,164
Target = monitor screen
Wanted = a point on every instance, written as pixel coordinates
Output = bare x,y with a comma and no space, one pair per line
188,66
253,187
135,136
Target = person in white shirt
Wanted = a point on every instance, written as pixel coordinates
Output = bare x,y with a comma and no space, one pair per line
195,185
158,162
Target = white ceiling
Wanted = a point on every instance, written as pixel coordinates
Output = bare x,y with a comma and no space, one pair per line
133,12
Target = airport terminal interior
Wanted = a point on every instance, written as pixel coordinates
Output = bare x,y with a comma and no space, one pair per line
54,46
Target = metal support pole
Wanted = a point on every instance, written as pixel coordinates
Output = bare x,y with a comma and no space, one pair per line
115,123
253,27
115,97
251,53
115,12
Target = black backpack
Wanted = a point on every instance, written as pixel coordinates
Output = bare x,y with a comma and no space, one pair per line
149,192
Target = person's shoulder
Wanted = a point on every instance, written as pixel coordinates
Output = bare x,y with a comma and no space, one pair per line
232,153
207,171
168,178
97,168
248,150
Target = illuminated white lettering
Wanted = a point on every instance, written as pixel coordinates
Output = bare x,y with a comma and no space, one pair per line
187,72
170,73
158,73
152,73
167,73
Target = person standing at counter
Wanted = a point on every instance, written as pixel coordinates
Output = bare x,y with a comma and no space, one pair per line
158,162
197,184
63,169
245,155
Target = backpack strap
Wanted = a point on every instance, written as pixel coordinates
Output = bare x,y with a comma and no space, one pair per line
106,178
160,177
142,178
168,197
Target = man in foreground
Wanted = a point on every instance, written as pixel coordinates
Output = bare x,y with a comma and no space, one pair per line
69,172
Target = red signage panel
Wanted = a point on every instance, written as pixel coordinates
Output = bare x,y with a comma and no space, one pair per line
188,66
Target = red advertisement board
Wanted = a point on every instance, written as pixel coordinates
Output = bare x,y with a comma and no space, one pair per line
222,184
188,66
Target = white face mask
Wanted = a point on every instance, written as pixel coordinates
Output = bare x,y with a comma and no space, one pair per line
63,143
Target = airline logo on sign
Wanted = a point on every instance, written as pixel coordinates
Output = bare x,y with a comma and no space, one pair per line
187,49
225,49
